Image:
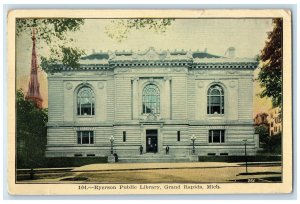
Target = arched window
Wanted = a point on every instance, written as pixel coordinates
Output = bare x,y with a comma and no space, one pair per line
85,101
215,100
151,99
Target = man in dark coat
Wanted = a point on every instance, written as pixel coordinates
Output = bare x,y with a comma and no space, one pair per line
167,149
141,149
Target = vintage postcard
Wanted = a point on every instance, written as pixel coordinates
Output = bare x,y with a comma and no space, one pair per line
149,102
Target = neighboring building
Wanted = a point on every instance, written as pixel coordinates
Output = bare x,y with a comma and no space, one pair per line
154,99
274,121
33,92
261,119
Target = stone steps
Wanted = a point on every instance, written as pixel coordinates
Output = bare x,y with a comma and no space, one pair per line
152,158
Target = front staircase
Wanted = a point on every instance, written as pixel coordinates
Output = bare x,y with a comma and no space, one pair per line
153,158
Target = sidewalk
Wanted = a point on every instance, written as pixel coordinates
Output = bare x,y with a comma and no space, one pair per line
143,166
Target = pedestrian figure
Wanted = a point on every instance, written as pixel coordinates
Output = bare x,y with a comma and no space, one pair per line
167,149
116,157
141,149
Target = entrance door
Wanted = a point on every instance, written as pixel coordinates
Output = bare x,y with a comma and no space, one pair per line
151,141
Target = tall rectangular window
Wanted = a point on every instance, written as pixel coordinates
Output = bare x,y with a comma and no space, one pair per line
124,136
216,136
85,137
178,136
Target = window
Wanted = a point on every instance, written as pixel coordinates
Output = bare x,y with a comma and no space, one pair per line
85,137
215,100
216,136
178,136
151,99
124,136
85,101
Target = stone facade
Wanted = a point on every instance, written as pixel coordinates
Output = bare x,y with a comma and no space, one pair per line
188,94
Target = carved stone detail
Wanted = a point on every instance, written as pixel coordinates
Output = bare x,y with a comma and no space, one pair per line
135,78
123,70
200,84
231,72
84,82
100,73
166,78
69,85
100,85
151,117
232,84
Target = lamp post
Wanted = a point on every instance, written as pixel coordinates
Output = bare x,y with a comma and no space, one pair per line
246,162
112,139
193,138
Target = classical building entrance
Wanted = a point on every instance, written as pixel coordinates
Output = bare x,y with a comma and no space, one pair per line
151,141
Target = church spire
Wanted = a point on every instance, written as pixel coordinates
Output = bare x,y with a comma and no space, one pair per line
34,85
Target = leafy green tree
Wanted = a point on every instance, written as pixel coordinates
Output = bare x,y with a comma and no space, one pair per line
274,144
263,133
31,132
53,33
119,29
270,75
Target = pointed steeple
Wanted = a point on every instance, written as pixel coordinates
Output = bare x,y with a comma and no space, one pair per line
34,85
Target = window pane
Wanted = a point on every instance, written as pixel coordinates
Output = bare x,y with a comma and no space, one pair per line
85,101
215,100
151,99
216,138
215,92
91,137
215,109
210,139
124,136
178,136
78,137
222,136
85,137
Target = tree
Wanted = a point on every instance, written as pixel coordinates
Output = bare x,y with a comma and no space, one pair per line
31,132
274,144
270,75
263,133
53,32
119,29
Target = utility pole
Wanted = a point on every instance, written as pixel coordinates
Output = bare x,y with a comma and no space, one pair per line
246,162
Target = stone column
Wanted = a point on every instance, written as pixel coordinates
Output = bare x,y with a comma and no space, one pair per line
143,138
166,99
135,108
160,139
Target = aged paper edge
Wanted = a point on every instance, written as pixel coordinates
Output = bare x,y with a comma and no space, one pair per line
226,188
